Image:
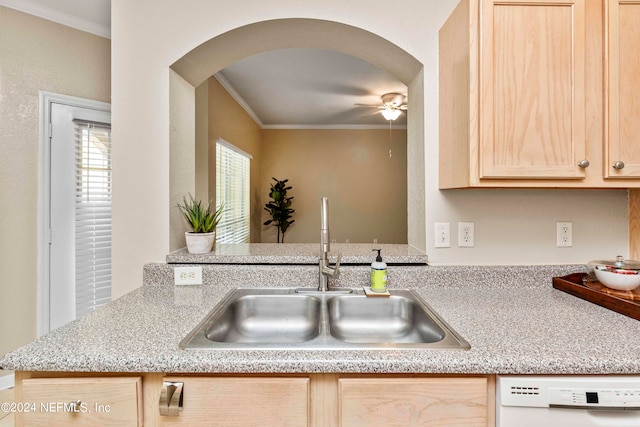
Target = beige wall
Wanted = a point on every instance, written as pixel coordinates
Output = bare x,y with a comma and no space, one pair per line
367,189
35,55
183,155
227,120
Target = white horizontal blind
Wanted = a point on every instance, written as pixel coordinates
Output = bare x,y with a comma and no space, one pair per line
232,189
93,216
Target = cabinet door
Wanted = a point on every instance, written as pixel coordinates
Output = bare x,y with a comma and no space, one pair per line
242,402
405,402
67,402
532,91
622,129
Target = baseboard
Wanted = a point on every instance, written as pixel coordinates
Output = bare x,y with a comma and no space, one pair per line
7,381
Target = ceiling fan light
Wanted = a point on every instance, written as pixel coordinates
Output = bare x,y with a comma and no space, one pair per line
390,113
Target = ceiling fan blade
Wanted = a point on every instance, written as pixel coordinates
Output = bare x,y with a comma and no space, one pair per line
368,105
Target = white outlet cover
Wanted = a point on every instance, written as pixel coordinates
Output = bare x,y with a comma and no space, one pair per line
466,235
187,276
564,234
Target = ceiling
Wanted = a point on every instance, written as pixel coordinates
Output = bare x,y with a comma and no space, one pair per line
287,88
311,88
92,16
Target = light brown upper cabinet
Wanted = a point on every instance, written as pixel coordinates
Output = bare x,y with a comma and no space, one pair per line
622,95
521,95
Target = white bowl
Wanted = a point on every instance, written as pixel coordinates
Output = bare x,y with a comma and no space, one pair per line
617,278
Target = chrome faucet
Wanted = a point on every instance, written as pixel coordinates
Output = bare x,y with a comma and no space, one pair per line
326,271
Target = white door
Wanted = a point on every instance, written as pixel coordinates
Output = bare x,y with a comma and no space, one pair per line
79,212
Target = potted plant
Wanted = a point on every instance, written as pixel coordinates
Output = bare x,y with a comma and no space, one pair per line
280,207
203,222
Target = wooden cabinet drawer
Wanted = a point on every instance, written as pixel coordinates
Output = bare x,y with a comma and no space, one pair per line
404,402
242,402
81,401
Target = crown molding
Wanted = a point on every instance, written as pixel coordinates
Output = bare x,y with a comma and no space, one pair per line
239,99
338,127
50,14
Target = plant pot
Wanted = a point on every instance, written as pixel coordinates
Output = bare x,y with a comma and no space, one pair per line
200,243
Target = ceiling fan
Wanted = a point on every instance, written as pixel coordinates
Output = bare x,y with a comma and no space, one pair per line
392,105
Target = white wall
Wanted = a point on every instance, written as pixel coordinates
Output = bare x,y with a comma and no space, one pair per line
147,39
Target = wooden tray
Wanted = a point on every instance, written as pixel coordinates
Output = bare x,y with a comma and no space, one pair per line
627,303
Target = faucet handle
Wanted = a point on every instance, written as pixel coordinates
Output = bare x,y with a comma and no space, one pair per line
336,271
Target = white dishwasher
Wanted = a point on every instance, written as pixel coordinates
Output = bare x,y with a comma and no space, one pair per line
566,401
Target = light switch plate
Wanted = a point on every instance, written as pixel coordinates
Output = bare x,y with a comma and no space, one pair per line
442,234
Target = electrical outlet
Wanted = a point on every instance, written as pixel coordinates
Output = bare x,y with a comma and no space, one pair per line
187,276
375,241
465,234
564,234
442,235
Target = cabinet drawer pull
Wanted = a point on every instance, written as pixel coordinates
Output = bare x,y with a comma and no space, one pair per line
618,165
583,163
171,399
76,406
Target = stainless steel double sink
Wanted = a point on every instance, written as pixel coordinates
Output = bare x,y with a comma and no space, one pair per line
303,319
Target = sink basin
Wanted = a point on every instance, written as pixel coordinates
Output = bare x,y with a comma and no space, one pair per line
267,319
396,319
285,318
259,317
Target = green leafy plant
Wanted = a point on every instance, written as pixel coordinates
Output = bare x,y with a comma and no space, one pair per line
201,219
280,207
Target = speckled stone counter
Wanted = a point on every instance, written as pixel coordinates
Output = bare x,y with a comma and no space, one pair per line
299,253
514,320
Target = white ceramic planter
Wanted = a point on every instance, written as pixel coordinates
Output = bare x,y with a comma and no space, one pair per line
200,243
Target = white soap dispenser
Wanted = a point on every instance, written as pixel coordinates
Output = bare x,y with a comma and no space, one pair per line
378,274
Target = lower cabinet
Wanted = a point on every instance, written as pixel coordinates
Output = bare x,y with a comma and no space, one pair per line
330,400
315,400
94,401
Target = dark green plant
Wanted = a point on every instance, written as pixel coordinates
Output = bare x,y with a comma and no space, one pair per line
280,207
201,219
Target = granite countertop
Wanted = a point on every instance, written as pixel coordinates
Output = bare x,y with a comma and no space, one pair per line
514,320
300,253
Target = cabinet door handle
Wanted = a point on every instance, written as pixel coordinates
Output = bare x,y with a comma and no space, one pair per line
618,165
171,399
583,163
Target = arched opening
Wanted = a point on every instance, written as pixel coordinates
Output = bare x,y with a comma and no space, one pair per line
203,61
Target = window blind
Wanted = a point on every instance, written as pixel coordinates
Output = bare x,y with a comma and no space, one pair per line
92,215
232,189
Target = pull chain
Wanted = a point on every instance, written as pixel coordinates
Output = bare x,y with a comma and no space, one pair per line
390,152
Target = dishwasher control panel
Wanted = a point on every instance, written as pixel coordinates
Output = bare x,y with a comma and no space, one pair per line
590,392
594,397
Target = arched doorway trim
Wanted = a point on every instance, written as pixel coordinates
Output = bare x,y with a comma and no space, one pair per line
217,53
